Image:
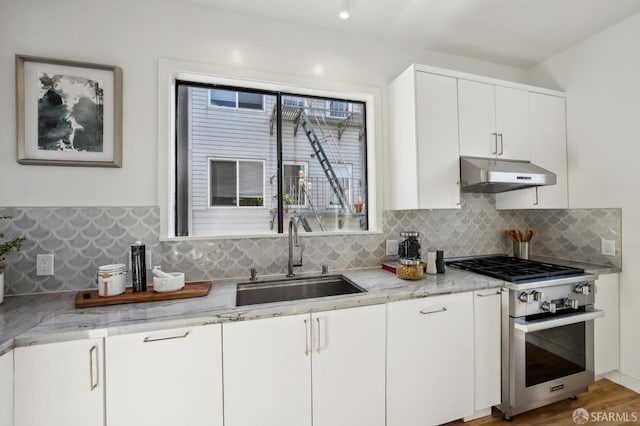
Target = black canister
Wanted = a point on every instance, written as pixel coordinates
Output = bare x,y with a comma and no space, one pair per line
138,267
440,262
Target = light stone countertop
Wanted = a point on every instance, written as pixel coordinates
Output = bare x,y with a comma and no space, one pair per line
44,318
52,317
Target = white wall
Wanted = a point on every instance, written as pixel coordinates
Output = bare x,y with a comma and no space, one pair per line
601,77
134,35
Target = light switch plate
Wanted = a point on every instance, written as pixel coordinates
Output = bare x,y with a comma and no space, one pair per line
392,247
608,247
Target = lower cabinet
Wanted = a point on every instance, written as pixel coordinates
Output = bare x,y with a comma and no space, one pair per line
487,341
171,377
430,354
606,330
59,384
326,368
6,389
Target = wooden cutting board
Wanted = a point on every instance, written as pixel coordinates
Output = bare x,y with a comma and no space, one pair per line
90,298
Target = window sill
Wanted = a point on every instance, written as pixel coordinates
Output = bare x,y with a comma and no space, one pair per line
251,236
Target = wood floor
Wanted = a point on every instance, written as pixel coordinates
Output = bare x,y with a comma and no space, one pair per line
605,400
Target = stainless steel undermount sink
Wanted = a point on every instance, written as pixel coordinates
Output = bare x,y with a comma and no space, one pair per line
256,292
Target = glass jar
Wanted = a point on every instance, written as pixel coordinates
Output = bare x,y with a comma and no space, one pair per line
409,247
409,269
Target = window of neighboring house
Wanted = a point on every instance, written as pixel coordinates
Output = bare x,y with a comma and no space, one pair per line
295,181
339,109
293,101
344,173
236,99
236,183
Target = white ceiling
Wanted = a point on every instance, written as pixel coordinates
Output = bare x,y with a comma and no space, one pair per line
521,33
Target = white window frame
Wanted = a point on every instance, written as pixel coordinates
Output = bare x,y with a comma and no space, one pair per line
305,165
237,106
237,161
171,70
349,190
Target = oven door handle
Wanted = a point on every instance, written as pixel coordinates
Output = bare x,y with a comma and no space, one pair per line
531,326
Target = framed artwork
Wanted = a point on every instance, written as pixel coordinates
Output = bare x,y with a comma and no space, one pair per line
68,113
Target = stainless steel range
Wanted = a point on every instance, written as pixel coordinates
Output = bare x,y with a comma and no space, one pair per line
547,329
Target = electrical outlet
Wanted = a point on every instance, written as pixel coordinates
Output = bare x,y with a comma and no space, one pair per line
608,247
44,264
392,247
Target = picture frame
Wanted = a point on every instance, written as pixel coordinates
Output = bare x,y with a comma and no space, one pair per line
69,113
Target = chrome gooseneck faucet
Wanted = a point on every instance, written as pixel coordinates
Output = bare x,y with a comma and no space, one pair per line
293,242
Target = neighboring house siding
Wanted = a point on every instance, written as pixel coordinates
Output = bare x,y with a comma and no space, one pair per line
244,134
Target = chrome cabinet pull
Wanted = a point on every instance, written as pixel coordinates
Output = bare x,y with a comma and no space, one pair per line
434,311
487,295
158,339
495,140
536,203
501,144
93,352
318,341
306,338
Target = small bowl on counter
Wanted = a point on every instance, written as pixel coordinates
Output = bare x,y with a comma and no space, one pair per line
173,283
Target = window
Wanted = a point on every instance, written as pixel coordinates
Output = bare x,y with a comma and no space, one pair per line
295,183
235,99
243,165
236,183
338,109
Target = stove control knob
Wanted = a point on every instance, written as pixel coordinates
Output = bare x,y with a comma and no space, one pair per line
548,307
538,296
583,289
526,297
571,303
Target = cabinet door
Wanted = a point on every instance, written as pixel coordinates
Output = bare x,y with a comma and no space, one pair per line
477,115
437,142
348,367
512,123
430,360
486,313
60,384
267,372
165,377
548,150
6,389
606,330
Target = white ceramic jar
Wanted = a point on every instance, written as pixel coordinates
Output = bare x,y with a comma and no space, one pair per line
112,279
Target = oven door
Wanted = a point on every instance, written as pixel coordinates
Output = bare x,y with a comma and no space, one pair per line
552,358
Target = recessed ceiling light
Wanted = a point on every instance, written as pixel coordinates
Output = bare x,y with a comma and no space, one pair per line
344,9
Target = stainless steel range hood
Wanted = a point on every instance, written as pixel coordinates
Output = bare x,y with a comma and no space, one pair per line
496,175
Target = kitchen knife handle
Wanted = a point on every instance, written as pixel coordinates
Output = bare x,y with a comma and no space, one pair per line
93,353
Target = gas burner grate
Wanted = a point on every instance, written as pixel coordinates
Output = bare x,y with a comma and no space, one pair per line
513,269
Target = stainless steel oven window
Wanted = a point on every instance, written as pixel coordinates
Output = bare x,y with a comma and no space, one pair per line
555,353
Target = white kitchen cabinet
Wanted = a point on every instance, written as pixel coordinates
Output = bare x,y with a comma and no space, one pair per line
167,377
493,121
268,372
430,351
6,389
607,329
424,141
548,150
348,367
487,341
60,384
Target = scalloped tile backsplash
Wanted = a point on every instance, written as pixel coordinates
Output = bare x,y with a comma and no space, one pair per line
84,238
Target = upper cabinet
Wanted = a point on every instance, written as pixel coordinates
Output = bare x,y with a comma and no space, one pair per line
424,155
548,150
494,121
